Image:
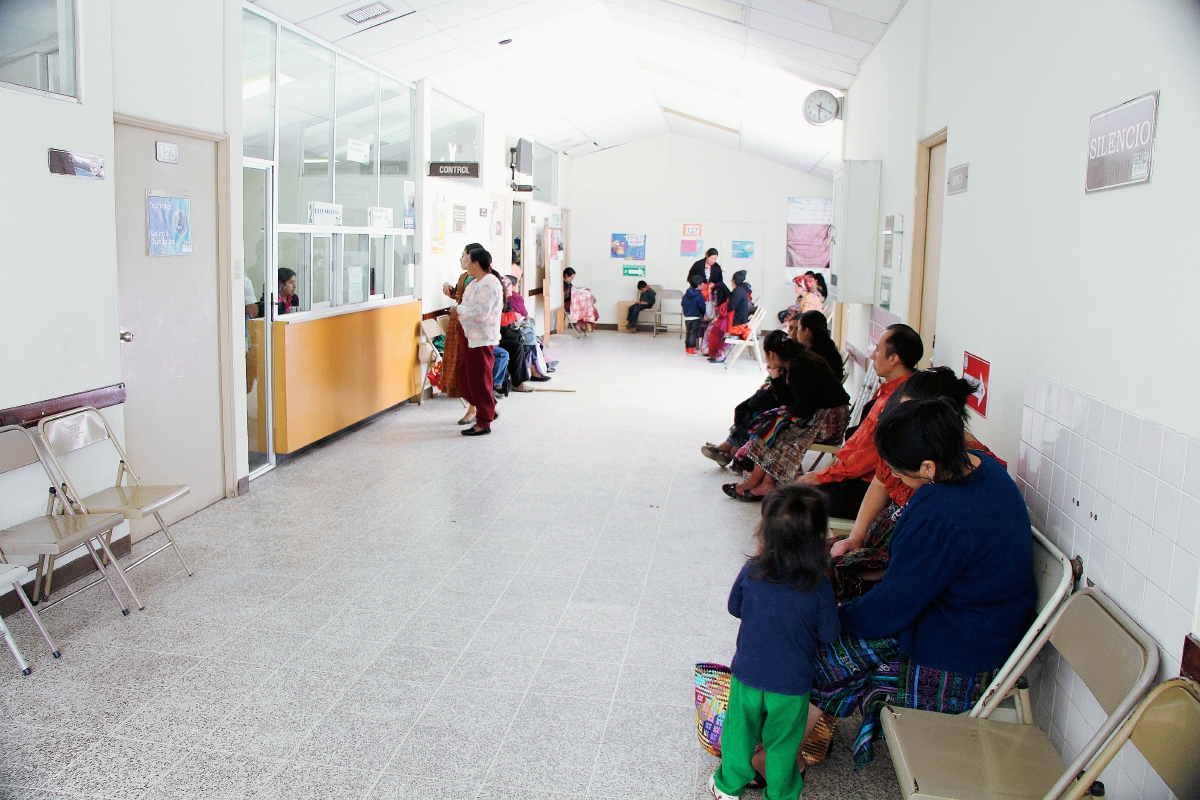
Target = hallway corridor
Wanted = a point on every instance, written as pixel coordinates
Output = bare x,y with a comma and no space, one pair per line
408,613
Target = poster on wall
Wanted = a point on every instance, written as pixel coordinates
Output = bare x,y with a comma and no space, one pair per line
460,219
742,249
410,206
691,247
808,222
168,224
628,246
437,242
77,165
978,371
556,244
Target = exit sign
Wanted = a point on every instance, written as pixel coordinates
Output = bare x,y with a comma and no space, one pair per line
633,271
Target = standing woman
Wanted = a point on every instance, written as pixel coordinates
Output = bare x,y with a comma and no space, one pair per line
478,319
454,342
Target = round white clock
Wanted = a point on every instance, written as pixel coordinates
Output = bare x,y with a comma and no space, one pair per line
821,108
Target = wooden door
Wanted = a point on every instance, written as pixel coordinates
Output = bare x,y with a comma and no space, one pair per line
935,200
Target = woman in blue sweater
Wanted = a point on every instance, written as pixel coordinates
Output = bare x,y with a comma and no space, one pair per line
958,593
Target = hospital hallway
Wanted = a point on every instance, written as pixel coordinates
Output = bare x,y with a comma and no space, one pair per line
408,613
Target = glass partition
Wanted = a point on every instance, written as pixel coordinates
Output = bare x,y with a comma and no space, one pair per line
356,182
545,174
256,209
356,268
305,99
37,45
258,87
396,117
456,131
404,268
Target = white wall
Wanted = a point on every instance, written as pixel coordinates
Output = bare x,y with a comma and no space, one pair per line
59,314
1094,292
644,186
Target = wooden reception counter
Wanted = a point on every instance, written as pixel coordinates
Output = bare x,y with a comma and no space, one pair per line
333,371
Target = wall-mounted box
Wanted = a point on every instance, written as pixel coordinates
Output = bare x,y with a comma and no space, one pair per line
855,234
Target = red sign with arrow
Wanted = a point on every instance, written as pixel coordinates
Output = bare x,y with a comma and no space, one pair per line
978,371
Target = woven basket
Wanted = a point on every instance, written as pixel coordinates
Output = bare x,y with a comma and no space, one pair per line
712,700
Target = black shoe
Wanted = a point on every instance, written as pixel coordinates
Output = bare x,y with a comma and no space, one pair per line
542,379
473,432
550,365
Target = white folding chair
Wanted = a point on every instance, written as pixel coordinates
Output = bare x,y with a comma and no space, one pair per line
84,427
676,297
427,354
61,531
13,575
739,344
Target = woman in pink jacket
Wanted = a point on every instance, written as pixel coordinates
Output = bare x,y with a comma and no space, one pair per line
478,316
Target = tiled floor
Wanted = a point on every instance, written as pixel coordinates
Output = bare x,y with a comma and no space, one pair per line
407,613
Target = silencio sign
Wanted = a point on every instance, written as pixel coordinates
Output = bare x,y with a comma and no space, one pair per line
454,169
1121,143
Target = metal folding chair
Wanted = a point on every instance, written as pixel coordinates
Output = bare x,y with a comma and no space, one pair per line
962,757
62,530
11,574
740,344
675,296
83,427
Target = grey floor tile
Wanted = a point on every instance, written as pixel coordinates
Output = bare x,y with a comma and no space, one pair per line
668,686
118,768
552,745
509,638
34,756
412,787
648,752
217,776
471,712
588,645
490,671
300,780
336,652
429,628
564,678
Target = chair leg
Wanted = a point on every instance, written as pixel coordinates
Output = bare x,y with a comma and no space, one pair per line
163,526
12,648
37,578
121,573
36,620
108,580
48,578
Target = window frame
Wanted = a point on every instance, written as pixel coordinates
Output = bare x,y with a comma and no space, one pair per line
75,64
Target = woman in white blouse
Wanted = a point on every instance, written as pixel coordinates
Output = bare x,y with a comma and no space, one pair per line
479,317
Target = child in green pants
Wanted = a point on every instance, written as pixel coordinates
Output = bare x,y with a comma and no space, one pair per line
787,607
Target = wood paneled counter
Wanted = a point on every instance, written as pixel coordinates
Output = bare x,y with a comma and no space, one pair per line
334,371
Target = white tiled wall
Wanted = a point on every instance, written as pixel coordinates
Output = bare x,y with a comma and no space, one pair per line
1124,495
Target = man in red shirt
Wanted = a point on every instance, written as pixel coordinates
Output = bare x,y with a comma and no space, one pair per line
845,483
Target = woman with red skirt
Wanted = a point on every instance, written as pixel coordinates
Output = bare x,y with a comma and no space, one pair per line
478,321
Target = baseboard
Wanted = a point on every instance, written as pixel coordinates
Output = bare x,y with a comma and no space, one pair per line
605,326
64,576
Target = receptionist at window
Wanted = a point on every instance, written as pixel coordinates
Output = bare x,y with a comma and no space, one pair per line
288,300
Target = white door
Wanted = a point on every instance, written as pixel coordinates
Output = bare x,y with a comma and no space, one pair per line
168,306
933,249
742,248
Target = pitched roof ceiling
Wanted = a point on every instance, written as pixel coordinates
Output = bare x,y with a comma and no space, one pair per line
582,75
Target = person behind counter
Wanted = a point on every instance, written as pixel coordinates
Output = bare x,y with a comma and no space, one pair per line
288,301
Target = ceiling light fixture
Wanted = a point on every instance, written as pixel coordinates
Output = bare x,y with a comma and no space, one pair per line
725,9
709,123
360,15
506,41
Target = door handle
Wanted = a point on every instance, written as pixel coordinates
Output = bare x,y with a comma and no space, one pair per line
126,336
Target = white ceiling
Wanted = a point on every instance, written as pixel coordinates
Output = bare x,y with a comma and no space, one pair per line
582,75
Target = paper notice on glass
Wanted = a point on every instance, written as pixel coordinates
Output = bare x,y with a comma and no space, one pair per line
354,285
358,152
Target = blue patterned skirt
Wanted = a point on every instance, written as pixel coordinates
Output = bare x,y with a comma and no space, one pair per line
864,675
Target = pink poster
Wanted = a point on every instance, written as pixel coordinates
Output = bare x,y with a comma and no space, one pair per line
809,220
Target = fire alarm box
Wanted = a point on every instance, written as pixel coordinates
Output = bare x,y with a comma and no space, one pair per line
855,234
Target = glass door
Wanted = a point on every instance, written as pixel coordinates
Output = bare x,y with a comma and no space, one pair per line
259,294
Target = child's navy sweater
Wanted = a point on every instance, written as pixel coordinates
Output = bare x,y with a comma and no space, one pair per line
693,303
780,630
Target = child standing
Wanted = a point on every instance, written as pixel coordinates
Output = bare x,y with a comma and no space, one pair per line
693,312
786,604
645,300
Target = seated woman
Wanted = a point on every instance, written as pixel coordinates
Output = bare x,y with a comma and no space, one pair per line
812,331
287,301
778,350
863,555
731,314
958,593
580,305
808,296
816,411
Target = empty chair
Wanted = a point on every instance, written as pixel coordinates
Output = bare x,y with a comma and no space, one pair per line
962,756
56,534
13,575
84,427
1165,727
740,344
676,310
427,354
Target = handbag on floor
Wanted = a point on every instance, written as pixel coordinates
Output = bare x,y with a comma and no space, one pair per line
712,701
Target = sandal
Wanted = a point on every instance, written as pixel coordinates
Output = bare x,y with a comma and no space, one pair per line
711,451
467,421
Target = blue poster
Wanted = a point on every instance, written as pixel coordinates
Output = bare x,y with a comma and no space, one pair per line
743,249
628,246
169,222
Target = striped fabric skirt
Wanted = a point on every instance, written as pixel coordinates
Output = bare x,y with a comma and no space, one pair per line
845,570
864,675
781,454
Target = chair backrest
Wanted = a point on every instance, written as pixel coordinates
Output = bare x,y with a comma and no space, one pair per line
1116,660
444,323
16,448
756,319
431,328
1053,578
73,430
1165,727
670,294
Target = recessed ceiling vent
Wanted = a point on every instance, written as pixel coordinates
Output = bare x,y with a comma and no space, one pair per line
360,15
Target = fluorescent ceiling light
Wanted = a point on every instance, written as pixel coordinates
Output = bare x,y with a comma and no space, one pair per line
709,123
261,84
725,9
